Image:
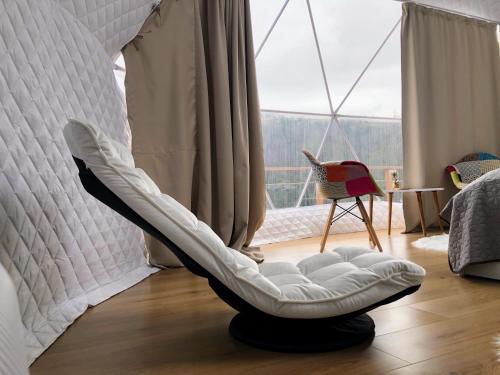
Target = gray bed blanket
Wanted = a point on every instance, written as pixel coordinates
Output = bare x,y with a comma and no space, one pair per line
474,217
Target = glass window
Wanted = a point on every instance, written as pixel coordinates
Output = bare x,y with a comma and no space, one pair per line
378,92
288,68
285,136
359,44
264,13
349,34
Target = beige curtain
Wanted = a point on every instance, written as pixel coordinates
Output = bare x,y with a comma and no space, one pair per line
194,113
451,98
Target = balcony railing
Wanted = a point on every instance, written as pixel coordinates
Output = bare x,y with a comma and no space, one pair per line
289,190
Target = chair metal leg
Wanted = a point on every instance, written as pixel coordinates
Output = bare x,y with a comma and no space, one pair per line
368,223
328,224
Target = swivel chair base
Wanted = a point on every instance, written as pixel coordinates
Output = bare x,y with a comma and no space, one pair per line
297,336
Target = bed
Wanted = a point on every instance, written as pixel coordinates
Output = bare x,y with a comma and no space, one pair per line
474,217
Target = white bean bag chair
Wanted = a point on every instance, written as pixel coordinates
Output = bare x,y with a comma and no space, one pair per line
317,304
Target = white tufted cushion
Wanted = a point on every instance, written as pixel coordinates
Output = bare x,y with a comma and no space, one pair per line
320,286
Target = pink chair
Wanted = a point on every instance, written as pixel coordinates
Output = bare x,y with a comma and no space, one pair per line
347,179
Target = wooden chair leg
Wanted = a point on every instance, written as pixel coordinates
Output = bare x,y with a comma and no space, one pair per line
370,211
368,224
328,224
370,233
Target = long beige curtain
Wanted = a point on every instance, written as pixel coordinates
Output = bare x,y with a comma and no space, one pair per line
194,113
451,97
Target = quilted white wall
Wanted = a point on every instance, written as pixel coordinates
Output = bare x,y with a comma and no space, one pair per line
63,249
114,22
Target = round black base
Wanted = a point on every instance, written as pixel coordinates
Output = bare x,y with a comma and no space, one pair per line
301,336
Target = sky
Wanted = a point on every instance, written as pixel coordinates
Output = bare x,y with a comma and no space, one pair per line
349,33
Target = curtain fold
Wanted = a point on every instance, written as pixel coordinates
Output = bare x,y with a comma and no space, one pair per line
194,114
451,98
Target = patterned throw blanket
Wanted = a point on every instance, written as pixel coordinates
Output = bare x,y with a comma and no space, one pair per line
343,180
472,170
472,167
474,216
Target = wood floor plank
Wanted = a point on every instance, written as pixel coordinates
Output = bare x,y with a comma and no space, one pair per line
188,338
443,337
401,318
483,359
173,323
483,298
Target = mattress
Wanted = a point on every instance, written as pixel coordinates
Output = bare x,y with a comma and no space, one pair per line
62,249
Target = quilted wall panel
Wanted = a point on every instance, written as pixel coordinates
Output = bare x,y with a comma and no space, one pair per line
62,248
114,22
294,223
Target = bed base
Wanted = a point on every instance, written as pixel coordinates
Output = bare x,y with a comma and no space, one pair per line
488,270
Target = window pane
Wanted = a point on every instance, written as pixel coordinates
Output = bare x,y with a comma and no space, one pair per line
285,136
349,33
378,93
290,79
378,144
335,148
288,70
263,14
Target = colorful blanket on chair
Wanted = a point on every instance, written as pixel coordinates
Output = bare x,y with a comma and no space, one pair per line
346,179
471,170
339,180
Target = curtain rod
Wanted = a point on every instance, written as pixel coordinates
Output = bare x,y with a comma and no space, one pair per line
497,22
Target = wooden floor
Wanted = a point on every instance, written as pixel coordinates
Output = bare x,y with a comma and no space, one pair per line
172,323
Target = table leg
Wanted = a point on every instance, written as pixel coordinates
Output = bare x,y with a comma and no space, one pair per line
421,212
438,210
389,221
